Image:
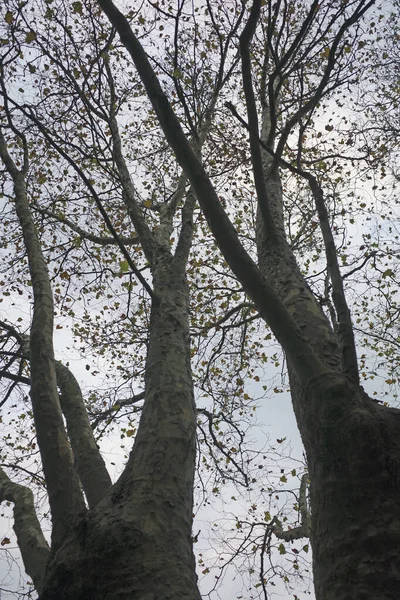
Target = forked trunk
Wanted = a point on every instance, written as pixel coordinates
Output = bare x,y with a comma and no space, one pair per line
136,543
353,452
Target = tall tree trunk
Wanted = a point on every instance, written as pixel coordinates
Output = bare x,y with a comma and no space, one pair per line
353,452
136,543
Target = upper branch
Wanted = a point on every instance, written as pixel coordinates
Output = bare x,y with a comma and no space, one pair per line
345,327
143,230
86,235
256,159
344,324
325,79
267,301
86,180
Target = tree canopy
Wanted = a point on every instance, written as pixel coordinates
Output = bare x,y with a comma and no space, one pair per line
199,202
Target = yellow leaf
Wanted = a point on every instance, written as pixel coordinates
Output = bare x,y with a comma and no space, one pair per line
9,17
148,203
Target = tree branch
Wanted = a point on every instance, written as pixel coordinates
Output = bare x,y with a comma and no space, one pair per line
321,88
185,237
86,235
304,529
117,406
255,150
15,377
65,496
35,550
88,461
86,180
345,327
307,364
143,230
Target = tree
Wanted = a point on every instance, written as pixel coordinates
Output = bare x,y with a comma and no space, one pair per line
351,442
73,204
70,160
132,522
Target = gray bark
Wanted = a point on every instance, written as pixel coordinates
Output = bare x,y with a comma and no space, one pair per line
65,496
137,542
34,549
89,463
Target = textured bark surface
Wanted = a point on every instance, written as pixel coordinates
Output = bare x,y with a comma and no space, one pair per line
89,463
34,547
352,445
353,453
353,450
63,487
137,542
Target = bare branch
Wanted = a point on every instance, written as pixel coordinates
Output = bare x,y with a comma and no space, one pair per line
86,235
95,196
107,414
143,230
15,377
255,149
361,9
304,529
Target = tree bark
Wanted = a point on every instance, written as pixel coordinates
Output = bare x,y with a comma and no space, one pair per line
64,492
353,453
137,542
34,548
88,461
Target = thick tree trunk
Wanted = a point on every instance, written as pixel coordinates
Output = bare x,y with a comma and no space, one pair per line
353,453
136,543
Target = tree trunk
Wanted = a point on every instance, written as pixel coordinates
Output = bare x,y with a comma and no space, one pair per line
136,543
353,453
